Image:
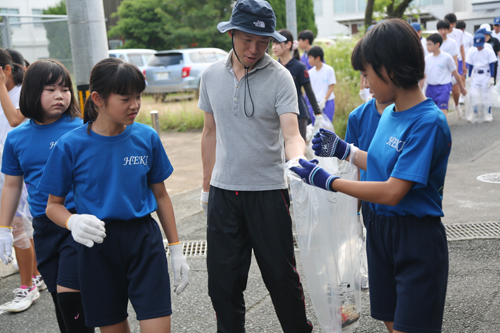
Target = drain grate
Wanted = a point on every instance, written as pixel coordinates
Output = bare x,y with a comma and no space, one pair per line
472,230
453,232
493,178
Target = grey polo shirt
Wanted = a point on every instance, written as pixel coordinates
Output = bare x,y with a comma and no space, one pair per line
249,152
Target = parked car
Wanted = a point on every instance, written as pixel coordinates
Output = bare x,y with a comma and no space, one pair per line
178,70
138,57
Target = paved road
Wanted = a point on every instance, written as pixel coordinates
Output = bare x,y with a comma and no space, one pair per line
473,299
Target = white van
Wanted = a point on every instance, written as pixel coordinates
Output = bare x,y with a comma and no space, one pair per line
138,57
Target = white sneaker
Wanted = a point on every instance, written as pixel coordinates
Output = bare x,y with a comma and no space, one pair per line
461,99
40,284
23,299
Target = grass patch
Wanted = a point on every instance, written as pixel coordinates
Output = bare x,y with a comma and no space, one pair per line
179,116
347,88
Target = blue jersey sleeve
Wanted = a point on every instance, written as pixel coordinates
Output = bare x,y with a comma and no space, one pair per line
161,168
415,160
10,162
57,178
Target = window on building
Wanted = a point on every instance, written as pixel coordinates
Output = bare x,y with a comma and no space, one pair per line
11,11
361,5
318,7
348,6
36,19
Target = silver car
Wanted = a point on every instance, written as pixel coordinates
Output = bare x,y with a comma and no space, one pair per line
179,70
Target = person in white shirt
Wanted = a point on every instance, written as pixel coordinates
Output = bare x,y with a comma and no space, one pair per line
468,40
449,46
458,36
439,67
496,34
481,62
323,80
418,29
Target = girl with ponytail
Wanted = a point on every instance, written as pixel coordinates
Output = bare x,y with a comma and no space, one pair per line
290,58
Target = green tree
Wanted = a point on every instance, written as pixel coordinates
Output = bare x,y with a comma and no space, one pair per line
171,24
386,8
305,15
58,36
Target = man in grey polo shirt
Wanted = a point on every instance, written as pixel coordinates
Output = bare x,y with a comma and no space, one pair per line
250,105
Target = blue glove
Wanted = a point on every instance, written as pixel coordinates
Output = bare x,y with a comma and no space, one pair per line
314,175
328,144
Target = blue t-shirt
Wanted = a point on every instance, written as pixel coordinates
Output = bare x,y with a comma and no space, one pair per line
361,127
304,58
26,152
412,145
300,76
109,174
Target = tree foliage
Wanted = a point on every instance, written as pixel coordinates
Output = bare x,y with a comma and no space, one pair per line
305,15
385,8
172,24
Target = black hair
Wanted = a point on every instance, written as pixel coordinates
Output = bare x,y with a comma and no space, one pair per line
315,52
443,24
452,18
112,76
17,57
40,74
460,25
289,38
17,69
394,45
436,38
306,35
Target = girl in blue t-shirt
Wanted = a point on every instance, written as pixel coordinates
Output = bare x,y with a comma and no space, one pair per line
116,169
47,99
405,171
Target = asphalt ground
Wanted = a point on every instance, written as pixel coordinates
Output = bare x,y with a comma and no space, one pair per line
473,297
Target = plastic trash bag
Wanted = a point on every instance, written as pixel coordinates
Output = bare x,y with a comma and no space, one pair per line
326,225
22,228
326,123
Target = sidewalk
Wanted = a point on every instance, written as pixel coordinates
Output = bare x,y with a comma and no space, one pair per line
473,298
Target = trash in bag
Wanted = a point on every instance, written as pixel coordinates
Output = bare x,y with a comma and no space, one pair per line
22,228
326,226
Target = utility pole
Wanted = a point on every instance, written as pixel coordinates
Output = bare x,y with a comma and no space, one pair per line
291,17
89,42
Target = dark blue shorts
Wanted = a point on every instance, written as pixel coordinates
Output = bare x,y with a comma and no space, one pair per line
407,270
460,68
130,264
440,94
56,254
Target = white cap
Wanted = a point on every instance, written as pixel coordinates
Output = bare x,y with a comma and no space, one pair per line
485,26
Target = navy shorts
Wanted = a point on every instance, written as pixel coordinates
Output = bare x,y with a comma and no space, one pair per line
440,94
131,263
407,270
56,254
460,68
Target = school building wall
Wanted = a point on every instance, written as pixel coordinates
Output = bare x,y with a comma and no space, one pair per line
346,17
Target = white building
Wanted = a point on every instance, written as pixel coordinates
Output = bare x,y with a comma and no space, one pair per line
28,38
334,17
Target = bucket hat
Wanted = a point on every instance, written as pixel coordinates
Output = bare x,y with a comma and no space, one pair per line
479,40
255,17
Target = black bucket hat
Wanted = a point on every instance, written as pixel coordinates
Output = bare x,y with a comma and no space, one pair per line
255,17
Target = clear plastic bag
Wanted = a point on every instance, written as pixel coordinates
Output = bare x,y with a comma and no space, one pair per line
478,103
22,228
326,225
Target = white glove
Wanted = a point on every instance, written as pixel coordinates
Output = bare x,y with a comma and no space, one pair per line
86,229
6,241
180,268
318,120
362,94
322,104
204,201
491,82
